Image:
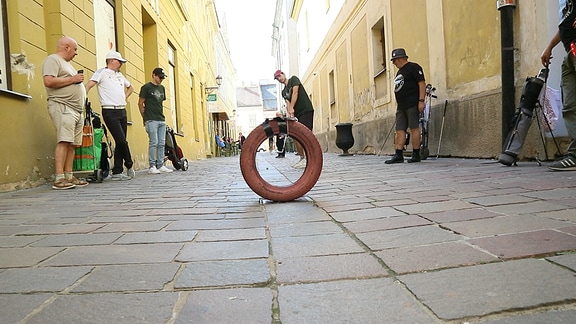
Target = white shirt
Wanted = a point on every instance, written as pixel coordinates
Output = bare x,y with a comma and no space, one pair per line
111,87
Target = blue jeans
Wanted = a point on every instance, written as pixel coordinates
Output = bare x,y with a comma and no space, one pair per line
157,134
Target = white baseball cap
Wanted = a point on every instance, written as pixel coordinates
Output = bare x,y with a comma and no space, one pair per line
116,56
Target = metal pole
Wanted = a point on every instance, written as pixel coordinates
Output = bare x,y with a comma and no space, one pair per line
506,8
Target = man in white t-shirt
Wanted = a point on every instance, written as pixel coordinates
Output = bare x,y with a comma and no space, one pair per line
113,89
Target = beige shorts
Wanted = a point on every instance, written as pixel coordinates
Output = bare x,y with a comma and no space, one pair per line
67,121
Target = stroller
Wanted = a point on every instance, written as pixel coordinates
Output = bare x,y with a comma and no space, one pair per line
174,152
93,156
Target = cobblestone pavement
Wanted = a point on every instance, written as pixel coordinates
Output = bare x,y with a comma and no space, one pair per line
442,241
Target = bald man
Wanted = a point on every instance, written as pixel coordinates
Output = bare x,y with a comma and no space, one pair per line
66,96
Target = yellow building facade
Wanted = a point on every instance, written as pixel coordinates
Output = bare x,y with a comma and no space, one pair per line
177,35
350,78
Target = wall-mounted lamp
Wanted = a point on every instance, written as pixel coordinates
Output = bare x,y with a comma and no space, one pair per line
218,82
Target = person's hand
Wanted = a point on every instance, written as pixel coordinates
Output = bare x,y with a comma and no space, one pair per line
546,57
290,112
421,106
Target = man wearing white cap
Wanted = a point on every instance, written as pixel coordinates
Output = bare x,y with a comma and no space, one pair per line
113,89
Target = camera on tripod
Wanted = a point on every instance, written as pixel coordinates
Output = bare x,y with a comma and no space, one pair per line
523,117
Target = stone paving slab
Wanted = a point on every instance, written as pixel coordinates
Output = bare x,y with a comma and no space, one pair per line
459,215
329,267
299,246
237,305
527,208
44,279
529,244
556,317
432,257
372,225
128,308
214,224
115,254
435,206
18,241
207,251
231,235
224,273
25,257
157,237
125,278
566,214
16,307
403,237
504,225
491,288
76,239
305,229
372,213
351,301
567,260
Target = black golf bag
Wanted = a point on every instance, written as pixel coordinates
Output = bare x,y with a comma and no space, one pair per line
523,118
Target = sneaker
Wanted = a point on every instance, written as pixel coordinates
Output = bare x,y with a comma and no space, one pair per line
120,177
566,164
63,184
77,182
153,170
300,164
131,173
279,156
164,169
395,159
414,159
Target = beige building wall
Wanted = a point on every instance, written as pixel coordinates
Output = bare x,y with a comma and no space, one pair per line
458,45
175,35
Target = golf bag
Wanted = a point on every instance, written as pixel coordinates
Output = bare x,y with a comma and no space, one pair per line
523,118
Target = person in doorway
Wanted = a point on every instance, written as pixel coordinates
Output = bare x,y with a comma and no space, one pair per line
151,96
298,105
410,92
567,35
66,96
113,90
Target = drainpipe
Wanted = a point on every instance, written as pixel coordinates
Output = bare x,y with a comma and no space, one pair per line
506,8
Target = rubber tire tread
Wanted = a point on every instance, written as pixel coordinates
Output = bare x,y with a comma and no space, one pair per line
300,187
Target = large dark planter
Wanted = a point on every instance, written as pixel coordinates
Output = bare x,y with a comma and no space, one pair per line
344,138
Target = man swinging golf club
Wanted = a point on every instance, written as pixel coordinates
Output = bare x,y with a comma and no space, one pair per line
410,90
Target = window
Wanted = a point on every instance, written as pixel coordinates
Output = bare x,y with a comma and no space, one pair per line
172,87
4,49
331,91
379,48
105,30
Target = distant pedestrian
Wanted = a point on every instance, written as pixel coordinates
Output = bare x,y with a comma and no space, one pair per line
241,139
113,90
410,90
298,105
151,96
66,96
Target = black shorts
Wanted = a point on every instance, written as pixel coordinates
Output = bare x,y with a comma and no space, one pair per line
307,119
407,118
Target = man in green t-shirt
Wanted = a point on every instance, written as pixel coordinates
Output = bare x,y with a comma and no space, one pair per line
298,105
151,96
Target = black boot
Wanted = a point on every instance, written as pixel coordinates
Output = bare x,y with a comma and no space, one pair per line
415,156
397,158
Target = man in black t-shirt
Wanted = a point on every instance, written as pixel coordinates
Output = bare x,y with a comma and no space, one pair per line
567,35
409,89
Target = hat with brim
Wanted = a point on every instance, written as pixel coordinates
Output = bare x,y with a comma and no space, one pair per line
398,53
113,55
277,74
159,72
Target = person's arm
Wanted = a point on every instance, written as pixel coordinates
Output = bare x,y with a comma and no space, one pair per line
129,91
421,95
292,102
54,82
90,84
547,53
142,108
